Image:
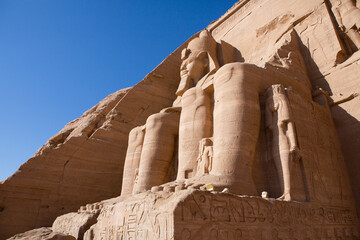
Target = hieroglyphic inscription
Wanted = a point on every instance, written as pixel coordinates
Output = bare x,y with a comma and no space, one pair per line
211,207
134,220
209,215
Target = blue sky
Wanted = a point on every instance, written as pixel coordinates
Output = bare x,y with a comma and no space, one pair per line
58,58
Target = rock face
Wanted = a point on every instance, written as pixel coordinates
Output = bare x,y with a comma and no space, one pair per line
83,221
251,106
42,234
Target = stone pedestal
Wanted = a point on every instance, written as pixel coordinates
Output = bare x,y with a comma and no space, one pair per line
196,214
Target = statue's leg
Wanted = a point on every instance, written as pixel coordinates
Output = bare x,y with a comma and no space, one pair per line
195,124
132,160
281,154
158,149
284,164
236,127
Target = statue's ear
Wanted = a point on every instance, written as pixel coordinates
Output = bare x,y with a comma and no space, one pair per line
203,56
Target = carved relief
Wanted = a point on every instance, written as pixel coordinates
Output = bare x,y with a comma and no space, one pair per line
232,217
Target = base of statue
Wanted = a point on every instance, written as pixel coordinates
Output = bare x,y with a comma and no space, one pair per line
196,214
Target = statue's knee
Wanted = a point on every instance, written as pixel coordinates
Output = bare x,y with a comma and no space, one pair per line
163,119
238,73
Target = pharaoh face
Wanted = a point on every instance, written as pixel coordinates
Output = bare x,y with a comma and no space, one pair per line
194,66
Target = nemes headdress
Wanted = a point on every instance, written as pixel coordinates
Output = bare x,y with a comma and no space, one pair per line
204,43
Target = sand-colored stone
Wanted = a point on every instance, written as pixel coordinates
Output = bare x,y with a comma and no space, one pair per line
282,138
42,234
257,139
196,214
75,224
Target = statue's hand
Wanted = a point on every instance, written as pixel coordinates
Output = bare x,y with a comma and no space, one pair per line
295,153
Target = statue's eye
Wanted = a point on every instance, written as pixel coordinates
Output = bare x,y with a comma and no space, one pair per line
185,53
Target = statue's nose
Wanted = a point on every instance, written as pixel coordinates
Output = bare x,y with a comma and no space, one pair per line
183,67
184,64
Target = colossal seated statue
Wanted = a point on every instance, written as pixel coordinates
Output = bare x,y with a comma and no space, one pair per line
221,103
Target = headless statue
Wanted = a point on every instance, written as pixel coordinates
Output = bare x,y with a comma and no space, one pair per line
213,101
280,131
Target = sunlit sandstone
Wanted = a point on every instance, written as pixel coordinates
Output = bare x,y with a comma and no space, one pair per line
252,133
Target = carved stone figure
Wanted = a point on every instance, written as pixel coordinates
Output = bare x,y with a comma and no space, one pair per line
281,134
348,17
194,102
237,115
197,69
205,157
219,102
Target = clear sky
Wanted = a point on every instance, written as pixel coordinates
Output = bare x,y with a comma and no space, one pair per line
58,58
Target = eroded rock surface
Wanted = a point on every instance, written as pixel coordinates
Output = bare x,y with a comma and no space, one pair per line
75,224
42,234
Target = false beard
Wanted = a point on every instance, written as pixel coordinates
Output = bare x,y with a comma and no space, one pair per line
185,84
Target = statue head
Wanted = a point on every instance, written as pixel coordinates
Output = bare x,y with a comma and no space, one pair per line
198,59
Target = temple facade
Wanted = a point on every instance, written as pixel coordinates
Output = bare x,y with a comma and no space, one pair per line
249,130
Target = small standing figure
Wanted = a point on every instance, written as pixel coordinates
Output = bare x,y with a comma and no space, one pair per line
348,17
136,178
205,156
281,135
